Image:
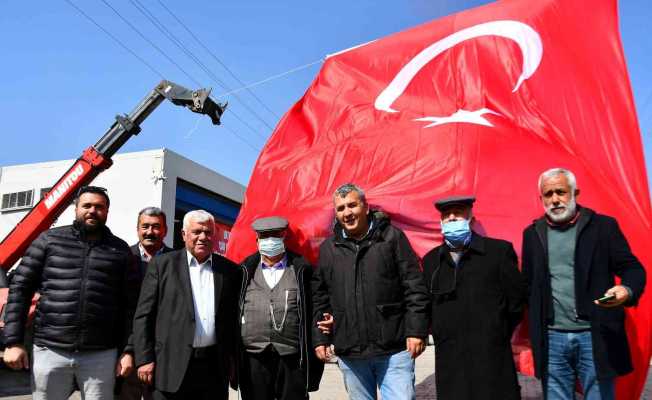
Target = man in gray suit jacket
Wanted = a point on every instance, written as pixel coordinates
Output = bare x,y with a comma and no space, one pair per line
151,229
185,327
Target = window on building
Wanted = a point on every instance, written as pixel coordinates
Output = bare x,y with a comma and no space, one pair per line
17,200
44,191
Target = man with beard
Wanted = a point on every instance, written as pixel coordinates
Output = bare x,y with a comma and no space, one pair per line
478,296
571,257
83,317
151,228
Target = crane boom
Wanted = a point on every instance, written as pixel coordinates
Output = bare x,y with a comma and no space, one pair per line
96,159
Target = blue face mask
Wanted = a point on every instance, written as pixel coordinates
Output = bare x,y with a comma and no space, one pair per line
271,246
456,233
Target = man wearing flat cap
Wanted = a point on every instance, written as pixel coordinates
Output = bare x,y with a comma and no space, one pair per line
477,297
277,361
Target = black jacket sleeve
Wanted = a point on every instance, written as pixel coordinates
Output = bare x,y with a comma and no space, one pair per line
25,283
526,260
130,285
514,287
417,317
145,317
625,264
320,296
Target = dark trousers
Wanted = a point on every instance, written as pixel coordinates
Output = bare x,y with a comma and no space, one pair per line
270,376
203,380
130,388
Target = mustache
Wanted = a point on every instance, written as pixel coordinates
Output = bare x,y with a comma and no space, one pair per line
151,237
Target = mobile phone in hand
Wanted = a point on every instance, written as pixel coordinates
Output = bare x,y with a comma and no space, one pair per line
606,299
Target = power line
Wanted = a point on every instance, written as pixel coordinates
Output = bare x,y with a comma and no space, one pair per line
115,39
139,58
172,61
216,58
150,42
242,138
161,27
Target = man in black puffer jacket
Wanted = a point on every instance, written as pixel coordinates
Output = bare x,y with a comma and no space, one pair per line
368,278
82,272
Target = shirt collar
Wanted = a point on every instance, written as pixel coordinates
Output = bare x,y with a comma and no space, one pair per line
143,254
279,265
192,261
371,225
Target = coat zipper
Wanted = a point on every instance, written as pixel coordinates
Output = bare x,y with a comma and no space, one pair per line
82,296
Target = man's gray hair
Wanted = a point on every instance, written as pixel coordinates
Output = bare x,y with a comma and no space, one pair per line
552,172
200,216
152,212
347,188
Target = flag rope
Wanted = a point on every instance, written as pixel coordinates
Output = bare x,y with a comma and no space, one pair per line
271,78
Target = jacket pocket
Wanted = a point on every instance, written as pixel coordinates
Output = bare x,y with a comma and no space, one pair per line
391,325
341,336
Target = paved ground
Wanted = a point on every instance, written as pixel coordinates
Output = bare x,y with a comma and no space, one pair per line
15,385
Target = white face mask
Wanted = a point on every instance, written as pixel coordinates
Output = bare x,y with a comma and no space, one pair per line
271,246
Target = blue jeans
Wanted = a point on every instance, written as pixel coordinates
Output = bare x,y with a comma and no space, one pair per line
570,356
393,374
54,373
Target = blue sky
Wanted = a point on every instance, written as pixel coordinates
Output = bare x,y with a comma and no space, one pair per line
64,79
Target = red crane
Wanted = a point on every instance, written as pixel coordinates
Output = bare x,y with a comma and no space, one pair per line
93,161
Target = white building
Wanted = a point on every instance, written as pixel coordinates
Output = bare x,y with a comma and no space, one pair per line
160,178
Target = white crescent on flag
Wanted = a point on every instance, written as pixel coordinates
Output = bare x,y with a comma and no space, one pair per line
528,41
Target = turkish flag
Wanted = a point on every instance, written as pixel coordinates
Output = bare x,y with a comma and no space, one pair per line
479,102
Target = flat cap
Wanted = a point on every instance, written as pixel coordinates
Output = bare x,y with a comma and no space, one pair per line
270,224
448,201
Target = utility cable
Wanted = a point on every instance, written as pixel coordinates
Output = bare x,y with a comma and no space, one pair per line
175,63
148,65
161,27
126,21
115,39
242,138
208,50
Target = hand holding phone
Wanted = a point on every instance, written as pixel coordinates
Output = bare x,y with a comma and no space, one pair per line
606,299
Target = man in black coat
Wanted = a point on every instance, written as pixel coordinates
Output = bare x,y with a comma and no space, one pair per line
571,257
185,327
477,297
277,359
151,228
83,318
369,279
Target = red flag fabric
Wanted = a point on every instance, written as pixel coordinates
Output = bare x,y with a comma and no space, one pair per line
479,102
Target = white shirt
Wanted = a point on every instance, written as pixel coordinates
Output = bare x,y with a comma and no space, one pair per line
203,298
274,273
